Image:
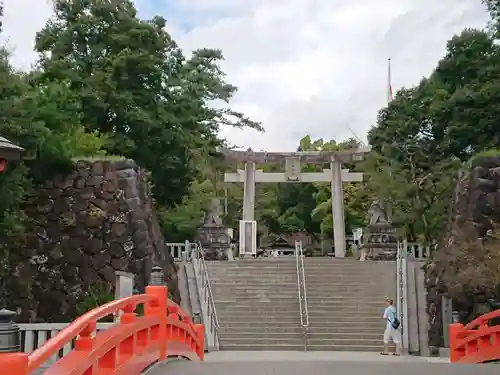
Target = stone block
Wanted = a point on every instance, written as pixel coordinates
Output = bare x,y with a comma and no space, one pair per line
90,223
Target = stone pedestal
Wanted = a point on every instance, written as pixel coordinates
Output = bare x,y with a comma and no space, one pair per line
380,238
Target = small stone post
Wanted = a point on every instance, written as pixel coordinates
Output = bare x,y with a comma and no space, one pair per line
187,251
157,277
197,317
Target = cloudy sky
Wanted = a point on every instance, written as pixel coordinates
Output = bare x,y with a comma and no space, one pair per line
316,67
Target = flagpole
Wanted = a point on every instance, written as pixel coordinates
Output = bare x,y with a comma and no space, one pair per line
389,99
389,83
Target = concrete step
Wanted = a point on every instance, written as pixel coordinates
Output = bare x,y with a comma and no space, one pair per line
272,320
345,348
346,261
263,283
262,347
270,281
285,313
233,265
259,330
331,271
311,272
289,319
342,317
286,310
311,305
280,298
354,281
299,347
326,307
334,291
359,292
333,327
243,335
352,328
309,275
298,339
359,341
264,296
257,268
361,313
256,309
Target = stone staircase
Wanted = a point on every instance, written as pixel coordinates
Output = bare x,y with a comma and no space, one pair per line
258,307
346,302
257,304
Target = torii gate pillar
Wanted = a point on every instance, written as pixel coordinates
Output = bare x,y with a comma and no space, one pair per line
249,192
337,191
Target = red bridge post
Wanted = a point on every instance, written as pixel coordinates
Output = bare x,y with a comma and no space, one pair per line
12,361
454,329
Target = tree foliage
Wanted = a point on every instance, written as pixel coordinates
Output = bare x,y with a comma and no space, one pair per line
107,82
426,133
134,85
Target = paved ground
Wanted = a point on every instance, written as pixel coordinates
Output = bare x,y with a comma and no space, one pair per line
314,363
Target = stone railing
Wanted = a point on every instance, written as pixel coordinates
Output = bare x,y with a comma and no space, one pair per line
35,335
411,296
180,251
206,298
415,251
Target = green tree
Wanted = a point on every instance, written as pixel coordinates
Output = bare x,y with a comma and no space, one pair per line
135,86
425,134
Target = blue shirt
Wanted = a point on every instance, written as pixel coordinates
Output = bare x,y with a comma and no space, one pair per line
389,315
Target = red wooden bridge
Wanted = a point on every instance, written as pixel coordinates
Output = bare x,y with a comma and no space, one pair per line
139,341
476,342
127,348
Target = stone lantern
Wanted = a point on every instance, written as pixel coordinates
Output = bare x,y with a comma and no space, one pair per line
380,238
214,236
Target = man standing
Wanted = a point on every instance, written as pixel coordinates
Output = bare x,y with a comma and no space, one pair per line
391,328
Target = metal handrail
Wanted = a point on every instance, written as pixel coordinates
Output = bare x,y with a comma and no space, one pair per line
302,293
304,285
205,280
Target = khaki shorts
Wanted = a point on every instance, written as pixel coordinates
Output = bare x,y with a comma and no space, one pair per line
391,333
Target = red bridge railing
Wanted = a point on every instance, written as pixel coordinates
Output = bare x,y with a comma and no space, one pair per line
476,342
127,348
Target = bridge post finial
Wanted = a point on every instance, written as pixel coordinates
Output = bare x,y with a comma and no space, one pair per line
196,317
10,338
157,277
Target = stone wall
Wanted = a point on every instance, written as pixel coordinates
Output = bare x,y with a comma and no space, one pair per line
89,224
465,266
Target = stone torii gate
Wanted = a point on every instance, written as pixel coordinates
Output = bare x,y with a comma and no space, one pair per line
293,174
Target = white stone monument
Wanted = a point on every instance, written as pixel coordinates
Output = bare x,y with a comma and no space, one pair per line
124,287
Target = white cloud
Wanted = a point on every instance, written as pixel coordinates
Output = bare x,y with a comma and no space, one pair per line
302,66
320,67
21,21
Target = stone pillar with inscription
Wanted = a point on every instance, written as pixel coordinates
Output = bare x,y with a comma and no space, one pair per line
338,209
